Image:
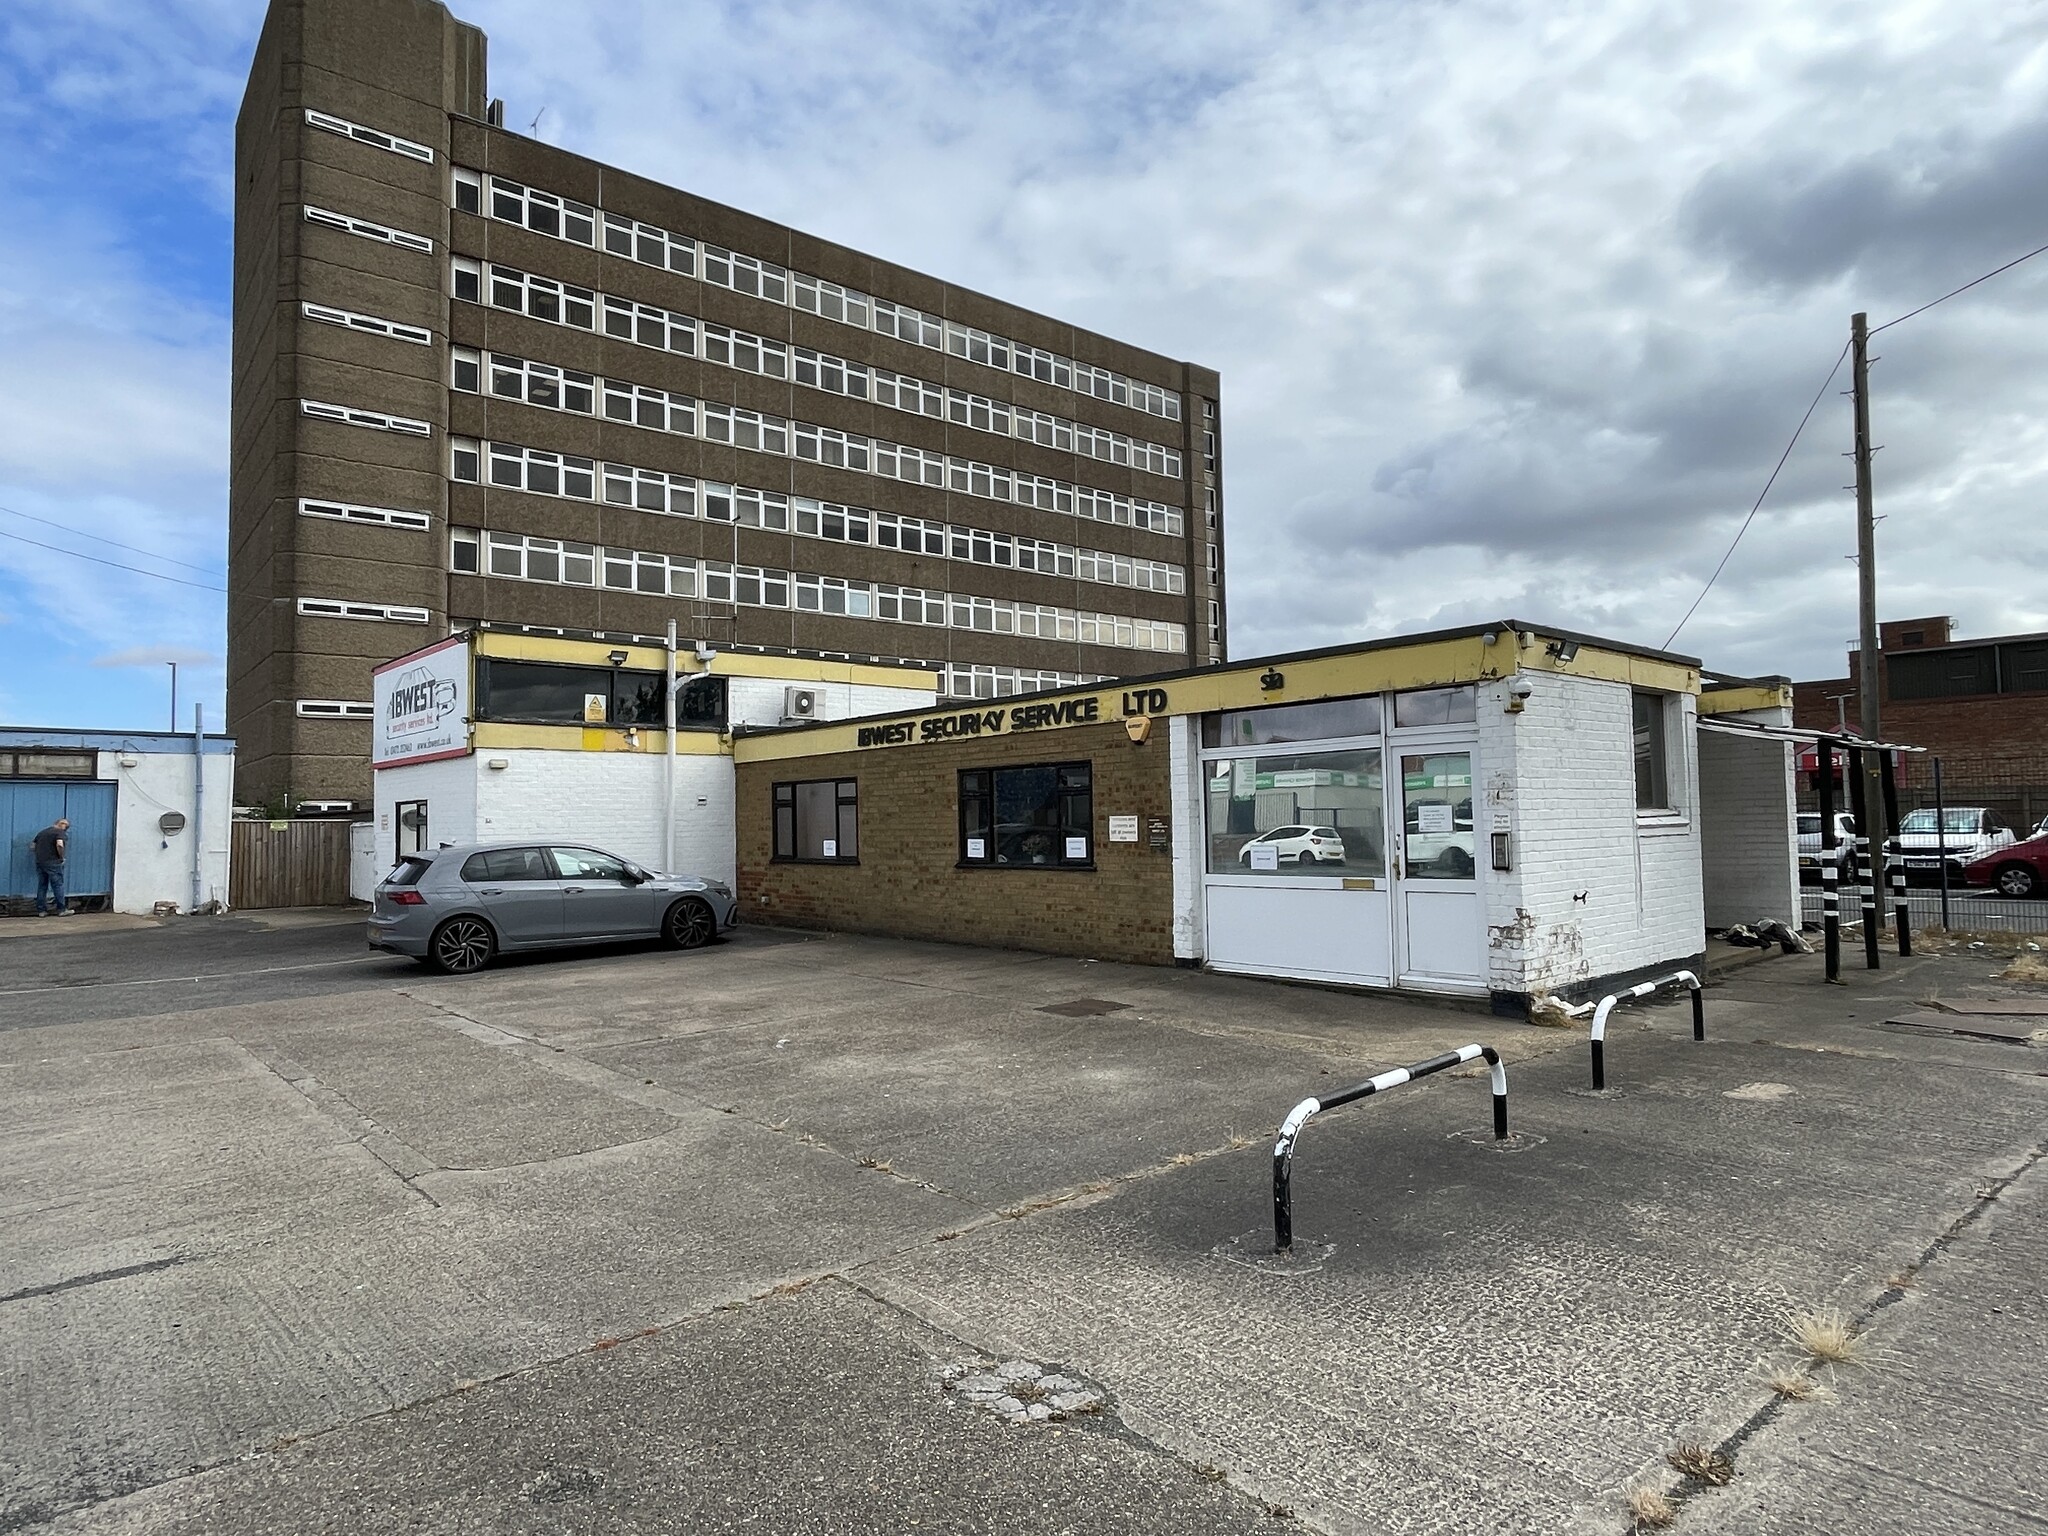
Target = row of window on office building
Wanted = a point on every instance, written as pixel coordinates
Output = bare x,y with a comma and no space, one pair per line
566,219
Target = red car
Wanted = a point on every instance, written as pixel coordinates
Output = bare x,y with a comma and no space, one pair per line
2018,869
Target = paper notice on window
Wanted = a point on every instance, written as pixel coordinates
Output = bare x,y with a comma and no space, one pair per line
1077,847
1265,856
1433,818
977,848
828,849
1123,829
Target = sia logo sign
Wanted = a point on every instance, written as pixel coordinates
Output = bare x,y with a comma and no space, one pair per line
421,705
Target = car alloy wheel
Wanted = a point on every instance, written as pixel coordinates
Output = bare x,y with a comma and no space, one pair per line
2017,881
462,945
690,924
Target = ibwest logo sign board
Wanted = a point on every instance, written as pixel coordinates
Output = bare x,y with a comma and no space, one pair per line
422,706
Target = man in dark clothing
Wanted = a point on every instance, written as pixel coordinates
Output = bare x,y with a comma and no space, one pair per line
50,845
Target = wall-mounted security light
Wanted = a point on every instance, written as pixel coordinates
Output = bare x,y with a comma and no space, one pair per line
497,765
171,823
129,759
1562,650
617,658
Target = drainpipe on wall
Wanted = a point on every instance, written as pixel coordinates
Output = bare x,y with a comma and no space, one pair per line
198,806
668,815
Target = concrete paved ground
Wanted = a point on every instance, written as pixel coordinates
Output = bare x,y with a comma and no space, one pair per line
637,1241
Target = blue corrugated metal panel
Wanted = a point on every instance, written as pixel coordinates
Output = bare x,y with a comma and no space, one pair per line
29,805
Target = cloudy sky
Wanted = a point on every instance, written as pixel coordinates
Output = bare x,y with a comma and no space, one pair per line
1515,303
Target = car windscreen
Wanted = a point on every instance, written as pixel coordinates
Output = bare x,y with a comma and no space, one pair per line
408,872
1959,820
1809,826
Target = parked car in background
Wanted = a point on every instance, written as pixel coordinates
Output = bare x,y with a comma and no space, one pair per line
457,909
1433,840
1966,833
2018,871
1810,845
1297,845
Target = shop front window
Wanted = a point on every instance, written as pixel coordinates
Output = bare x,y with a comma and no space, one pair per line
1437,706
1321,721
1036,817
1297,813
817,821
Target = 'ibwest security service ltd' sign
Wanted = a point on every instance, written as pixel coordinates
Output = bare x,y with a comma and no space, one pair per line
421,705
1012,721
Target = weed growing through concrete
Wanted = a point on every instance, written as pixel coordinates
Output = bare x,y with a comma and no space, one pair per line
878,1164
1650,1509
1184,1160
1826,1334
1794,1385
1697,1461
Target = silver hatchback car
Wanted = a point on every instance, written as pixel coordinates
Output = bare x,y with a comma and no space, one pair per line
456,909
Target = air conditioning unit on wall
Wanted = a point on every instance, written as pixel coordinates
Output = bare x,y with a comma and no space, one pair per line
799,703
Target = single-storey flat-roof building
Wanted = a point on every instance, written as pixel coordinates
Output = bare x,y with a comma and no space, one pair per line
149,813
1504,811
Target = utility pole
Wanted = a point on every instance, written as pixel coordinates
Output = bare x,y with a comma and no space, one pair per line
1870,831
1866,531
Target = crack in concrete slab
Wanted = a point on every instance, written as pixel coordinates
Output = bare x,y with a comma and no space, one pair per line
96,1277
1986,1196
406,1163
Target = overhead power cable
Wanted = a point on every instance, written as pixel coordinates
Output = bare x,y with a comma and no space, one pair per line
1900,320
1812,406
116,564
80,533
1973,282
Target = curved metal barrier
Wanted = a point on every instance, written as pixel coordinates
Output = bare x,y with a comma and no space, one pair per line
1300,1115
1643,989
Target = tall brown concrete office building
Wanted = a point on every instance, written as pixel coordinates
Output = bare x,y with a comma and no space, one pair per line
482,380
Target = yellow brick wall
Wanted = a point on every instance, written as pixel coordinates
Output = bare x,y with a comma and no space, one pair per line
907,882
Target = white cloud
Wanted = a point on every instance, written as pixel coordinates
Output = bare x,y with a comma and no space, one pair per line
158,656
1515,304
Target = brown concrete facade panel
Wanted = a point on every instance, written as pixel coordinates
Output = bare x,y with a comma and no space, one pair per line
909,881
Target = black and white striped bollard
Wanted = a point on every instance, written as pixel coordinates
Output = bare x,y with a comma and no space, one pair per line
1300,1115
1641,989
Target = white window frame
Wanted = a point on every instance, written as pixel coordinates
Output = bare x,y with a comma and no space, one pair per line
374,137
350,512
375,421
371,325
384,233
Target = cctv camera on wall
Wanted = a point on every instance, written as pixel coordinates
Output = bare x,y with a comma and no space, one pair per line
1519,690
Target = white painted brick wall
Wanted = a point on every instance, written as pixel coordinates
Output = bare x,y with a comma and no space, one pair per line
448,787
760,700
612,799
1595,891
149,865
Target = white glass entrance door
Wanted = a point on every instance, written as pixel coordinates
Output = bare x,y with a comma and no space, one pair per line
1437,918
1295,882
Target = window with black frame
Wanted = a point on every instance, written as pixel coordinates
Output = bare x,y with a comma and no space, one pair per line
1037,817
550,692
818,822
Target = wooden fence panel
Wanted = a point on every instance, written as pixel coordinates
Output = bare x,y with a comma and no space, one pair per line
288,864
